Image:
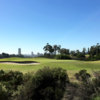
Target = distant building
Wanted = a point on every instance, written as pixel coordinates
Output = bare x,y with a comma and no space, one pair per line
19,51
32,54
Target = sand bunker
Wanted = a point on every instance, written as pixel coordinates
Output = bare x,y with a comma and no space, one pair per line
20,62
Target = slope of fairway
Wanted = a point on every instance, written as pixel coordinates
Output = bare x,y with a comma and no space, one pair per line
72,66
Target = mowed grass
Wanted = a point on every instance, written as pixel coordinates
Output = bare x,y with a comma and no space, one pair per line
72,66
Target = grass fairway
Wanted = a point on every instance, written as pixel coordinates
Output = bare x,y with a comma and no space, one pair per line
72,66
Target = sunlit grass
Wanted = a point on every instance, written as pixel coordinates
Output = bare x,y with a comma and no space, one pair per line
72,66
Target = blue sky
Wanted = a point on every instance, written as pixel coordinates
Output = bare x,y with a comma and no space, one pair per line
30,24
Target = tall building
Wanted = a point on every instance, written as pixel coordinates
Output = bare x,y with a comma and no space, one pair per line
32,54
19,51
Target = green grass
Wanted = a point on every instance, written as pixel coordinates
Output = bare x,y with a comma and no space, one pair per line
72,66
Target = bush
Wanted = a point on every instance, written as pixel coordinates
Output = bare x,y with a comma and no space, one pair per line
62,57
81,56
47,84
89,88
96,82
97,78
86,89
97,98
83,76
3,93
11,80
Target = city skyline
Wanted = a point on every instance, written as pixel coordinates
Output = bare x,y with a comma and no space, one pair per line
29,25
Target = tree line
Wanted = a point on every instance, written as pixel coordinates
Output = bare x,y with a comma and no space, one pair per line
92,53
6,55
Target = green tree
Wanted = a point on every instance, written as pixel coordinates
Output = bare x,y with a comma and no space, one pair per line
56,49
64,51
48,48
73,53
84,51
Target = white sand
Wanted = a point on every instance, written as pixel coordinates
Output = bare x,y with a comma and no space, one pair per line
19,63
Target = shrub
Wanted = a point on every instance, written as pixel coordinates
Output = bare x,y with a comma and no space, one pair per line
83,76
89,88
11,80
62,57
97,98
47,84
3,93
81,56
96,82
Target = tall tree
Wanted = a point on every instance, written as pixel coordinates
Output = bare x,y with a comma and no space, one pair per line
48,48
64,51
56,48
84,51
77,51
73,53
88,50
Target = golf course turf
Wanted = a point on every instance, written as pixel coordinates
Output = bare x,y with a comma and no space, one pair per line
71,66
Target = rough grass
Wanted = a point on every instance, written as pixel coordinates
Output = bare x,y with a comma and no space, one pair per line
72,66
